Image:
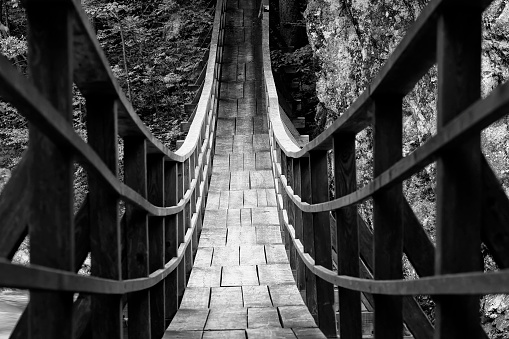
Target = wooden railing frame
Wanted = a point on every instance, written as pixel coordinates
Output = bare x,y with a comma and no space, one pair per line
380,102
164,191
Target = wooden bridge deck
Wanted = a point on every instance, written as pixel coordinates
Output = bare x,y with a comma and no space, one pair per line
241,283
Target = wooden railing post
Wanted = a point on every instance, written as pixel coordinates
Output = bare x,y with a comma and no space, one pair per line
135,176
192,200
187,215
308,236
291,212
156,234
51,220
347,234
322,242
182,275
301,268
171,238
459,191
388,215
105,235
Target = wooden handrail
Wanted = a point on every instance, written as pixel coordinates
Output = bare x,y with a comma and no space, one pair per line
164,191
379,106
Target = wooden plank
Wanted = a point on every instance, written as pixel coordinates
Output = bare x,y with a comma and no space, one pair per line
226,297
229,334
268,235
183,335
242,144
321,235
261,179
241,69
157,242
213,199
263,161
224,199
252,255
345,179
285,295
239,180
219,182
256,296
458,196
261,197
263,317
308,333
226,256
260,124
296,316
261,143
136,235
233,218
203,257
215,218
227,319
250,199
189,320
228,72
387,214
105,234
249,162
275,274
224,145
268,333
225,127
265,216
213,237
196,298
236,199
237,162
271,198
245,217
246,107
276,254
204,277
239,276
244,126
50,67
241,236
221,163
227,107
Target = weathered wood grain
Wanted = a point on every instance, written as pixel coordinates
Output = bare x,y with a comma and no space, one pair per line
252,255
347,236
226,297
266,317
239,276
227,319
196,298
50,69
256,296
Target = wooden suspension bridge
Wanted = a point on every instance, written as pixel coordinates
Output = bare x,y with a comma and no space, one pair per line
234,234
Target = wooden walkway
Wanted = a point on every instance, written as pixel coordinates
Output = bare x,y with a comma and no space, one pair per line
241,283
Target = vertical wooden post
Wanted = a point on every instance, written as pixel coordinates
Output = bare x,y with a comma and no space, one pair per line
347,235
51,222
322,242
282,191
291,211
135,176
459,191
308,236
187,216
181,233
387,215
194,196
156,234
301,268
171,238
105,243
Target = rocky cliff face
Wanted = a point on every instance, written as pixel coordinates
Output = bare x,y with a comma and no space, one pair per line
352,39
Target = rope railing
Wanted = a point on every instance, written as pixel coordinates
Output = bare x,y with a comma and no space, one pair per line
370,261
147,254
